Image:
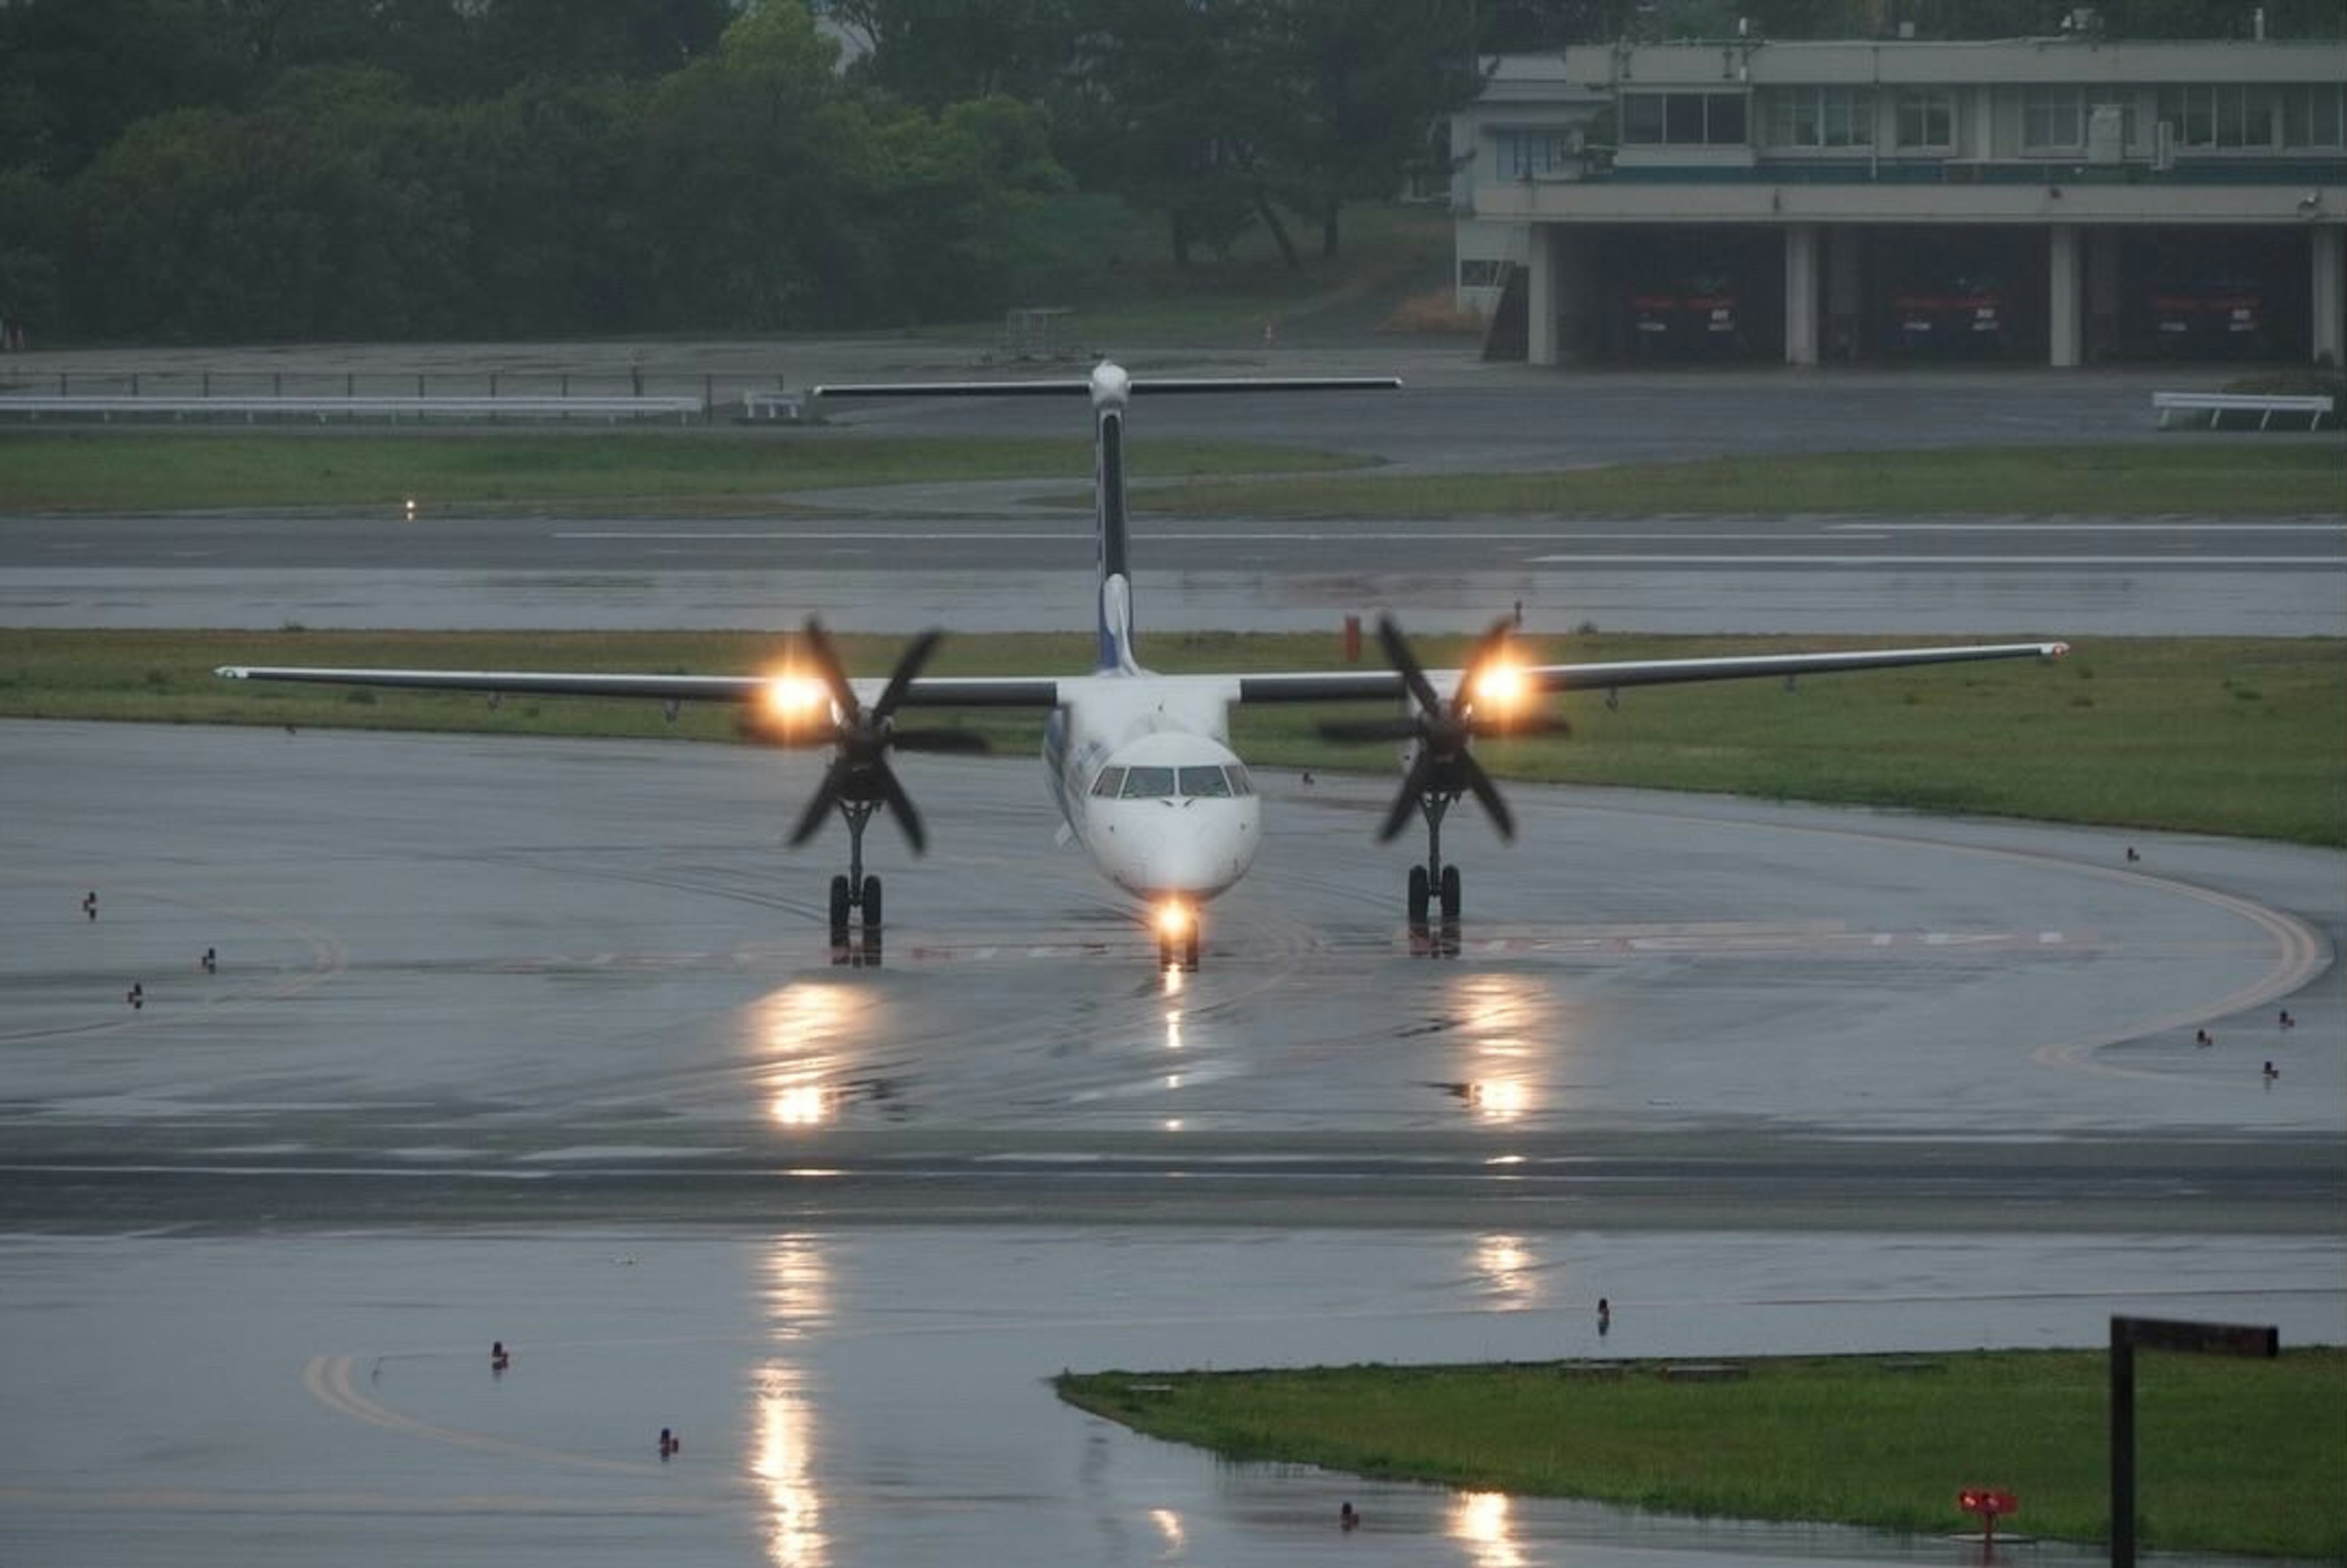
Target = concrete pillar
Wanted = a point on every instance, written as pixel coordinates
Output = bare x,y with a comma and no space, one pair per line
2063,316
1578,321
1845,295
1802,293
1539,296
2330,313
2102,294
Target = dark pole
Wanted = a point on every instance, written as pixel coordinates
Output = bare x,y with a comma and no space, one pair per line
2160,1334
2122,1445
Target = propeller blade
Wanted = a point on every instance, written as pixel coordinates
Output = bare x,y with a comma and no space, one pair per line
1394,729
953,743
1488,647
900,805
1413,784
1405,663
827,665
1488,792
908,664
1519,729
827,795
774,731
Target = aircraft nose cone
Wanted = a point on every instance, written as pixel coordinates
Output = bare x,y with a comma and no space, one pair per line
1201,849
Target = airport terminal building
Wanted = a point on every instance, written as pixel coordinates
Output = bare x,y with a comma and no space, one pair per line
2061,201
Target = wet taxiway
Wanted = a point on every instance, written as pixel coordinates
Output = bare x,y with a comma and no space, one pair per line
1016,557
541,1041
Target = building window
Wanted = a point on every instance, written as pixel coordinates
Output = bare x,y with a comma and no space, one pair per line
2311,116
1821,116
2053,119
1927,118
1482,272
1684,119
1534,154
2234,115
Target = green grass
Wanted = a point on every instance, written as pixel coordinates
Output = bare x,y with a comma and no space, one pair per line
2193,477
2232,1456
2235,736
150,471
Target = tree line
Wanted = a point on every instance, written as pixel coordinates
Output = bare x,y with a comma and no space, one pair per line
272,170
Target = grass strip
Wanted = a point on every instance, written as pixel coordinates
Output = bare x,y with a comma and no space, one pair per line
2230,477
2232,1456
2233,736
130,471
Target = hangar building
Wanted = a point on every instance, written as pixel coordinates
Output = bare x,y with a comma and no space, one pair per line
2061,201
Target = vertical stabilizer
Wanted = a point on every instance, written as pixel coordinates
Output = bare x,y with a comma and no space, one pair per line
1109,390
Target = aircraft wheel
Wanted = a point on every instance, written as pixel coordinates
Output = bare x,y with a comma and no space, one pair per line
1451,892
838,909
1417,895
1190,953
871,903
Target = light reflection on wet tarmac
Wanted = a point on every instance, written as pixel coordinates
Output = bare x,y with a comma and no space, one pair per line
878,1395
580,1076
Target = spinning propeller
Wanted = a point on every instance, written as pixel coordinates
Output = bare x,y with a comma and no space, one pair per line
1443,766
859,777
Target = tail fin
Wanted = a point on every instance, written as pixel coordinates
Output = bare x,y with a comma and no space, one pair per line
1110,389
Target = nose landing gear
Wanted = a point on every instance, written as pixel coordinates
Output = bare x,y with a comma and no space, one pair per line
1177,937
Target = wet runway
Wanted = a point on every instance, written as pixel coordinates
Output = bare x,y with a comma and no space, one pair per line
541,1041
1016,556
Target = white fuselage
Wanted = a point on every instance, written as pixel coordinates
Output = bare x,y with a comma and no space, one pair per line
1142,770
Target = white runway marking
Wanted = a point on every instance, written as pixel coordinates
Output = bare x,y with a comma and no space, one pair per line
1918,562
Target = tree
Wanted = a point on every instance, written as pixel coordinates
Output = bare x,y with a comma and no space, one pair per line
940,52
1360,87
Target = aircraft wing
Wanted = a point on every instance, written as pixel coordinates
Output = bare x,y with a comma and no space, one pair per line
928,692
1350,685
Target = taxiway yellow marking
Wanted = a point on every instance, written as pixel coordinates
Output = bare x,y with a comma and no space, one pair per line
328,1379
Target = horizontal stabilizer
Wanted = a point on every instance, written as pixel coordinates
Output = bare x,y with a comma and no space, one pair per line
1062,388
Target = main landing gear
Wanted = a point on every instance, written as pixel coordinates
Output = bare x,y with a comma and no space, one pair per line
1434,889
1442,769
855,893
858,781
1433,883
856,898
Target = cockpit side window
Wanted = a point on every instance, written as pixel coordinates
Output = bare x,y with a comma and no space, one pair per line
1109,782
1206,781
1148,783
1240,783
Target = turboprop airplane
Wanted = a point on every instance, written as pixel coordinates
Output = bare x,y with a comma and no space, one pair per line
1138,762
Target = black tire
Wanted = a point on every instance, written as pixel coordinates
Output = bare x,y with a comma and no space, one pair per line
839,909
871,903
1417,895
1451,892
1190,953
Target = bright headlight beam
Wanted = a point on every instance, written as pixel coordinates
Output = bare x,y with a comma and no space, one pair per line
795,698
1500,686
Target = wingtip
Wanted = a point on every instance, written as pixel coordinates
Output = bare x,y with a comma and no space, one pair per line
229,672
2057,649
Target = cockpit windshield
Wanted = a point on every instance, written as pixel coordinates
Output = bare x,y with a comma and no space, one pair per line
1206,781
1148,783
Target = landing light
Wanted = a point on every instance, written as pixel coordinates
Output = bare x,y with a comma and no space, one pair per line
1173,918
794,698
1500,686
